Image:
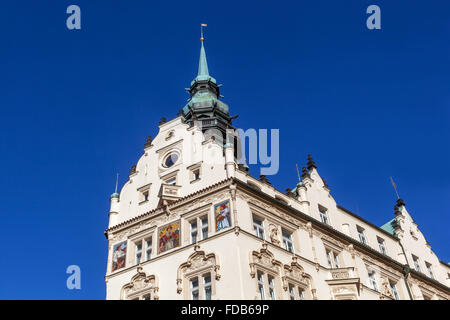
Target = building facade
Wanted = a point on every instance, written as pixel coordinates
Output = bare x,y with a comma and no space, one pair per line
192,223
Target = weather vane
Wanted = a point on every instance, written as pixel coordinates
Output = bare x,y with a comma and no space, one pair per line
395,187
201,31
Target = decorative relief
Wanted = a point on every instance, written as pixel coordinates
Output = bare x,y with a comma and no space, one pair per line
294,272
274,234
140,284
265,260
197,262
428,288
329,239
340,274
385,288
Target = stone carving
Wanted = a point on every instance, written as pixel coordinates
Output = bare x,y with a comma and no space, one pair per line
198,261
264,259
274,234
140,284
294,272
385,288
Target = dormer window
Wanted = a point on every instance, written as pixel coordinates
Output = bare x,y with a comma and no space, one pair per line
361,234
323,215
144,194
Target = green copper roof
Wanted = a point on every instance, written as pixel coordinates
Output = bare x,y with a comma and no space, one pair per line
388,227
202,63
203,72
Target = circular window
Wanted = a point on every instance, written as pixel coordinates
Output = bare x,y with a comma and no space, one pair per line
170,160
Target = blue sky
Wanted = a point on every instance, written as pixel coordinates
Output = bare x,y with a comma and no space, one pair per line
76,107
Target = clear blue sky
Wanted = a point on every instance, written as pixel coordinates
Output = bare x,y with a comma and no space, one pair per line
76,107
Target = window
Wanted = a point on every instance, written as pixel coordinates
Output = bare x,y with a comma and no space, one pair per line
323,215
362,236
138,252
416,263
194,289
193,231
207,286
291,292
204,222
198,229
144,193
381,245
333,259
430,270
259,227
266,285
148,249
301,294
262,294
171,181
373,281
170,160
195,174
271,287
394,290
287,241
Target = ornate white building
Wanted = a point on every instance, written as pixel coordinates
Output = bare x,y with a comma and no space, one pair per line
192,223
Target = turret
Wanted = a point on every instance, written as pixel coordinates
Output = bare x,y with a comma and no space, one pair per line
114,206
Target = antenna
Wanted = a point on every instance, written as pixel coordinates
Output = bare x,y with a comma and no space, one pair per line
298,172
395,187
117,182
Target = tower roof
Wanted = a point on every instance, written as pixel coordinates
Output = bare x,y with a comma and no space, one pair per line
203,72
204,103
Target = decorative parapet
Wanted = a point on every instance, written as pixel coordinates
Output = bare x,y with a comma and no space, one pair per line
343,284
169,192
342,273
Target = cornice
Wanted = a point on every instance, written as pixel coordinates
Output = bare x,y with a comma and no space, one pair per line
173,205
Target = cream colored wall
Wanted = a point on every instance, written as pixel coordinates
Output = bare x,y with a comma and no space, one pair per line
233,246
193,149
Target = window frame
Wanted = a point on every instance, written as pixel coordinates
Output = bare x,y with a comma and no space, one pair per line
429,268
287,241
323,214
416,263
268,282
373,280
382,245
361,234
259,228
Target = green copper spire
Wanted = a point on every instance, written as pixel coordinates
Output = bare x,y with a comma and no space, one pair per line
202,63
203,72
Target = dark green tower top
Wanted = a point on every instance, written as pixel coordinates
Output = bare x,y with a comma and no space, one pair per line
204,104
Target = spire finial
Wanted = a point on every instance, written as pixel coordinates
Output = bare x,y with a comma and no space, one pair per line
115,194
201,31
202,64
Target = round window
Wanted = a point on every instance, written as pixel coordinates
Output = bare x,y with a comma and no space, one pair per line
170,160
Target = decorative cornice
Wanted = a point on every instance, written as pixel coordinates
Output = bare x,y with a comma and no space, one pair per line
171,206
